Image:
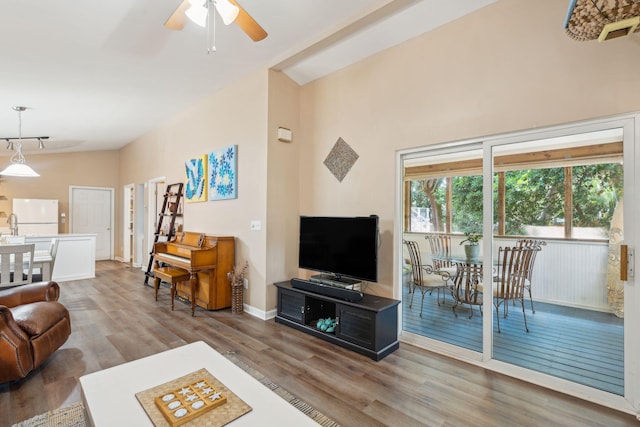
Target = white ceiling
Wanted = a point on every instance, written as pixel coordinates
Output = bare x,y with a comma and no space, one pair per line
96,75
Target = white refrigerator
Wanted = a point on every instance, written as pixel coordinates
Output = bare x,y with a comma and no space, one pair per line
36,216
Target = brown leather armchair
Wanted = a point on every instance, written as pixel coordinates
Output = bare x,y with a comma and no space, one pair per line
33,325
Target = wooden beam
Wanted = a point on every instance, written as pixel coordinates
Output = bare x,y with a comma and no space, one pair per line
564,154
568,202
438,168
518,161
449,206
407,206
502,215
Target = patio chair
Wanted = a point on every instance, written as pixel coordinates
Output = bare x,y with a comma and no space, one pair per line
440,245
424,276
468,287
536,245
508,282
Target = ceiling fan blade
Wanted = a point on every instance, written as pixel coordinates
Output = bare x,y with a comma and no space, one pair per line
177,19
248,24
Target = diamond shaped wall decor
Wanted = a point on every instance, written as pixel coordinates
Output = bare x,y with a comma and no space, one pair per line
340,159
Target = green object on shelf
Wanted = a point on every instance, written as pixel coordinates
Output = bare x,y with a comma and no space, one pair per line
326,325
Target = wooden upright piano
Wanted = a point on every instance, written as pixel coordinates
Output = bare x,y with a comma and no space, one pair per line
208,259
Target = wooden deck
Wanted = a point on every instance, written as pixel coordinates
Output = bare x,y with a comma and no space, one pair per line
583,346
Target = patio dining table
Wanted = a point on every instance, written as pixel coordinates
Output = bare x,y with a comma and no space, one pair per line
457,259
463,264
467,283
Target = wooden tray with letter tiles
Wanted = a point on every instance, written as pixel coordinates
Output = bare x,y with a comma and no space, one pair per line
197,397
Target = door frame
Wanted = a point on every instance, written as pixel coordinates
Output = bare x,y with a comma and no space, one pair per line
151,216
138,226
111,213
630,123
128,218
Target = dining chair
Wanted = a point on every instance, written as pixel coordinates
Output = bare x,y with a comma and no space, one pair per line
16,258
424,276
509,279
53,251
536,245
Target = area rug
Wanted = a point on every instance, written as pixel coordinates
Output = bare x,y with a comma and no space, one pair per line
301,405
69,416
73,415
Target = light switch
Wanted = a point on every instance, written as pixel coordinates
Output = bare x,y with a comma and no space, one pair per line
256,225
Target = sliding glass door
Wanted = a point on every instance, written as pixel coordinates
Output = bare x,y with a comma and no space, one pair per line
443,193
544,299
558,301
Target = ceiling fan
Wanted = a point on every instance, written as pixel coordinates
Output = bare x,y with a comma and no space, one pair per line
229,10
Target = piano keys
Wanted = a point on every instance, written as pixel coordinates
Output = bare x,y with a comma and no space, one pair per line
208,259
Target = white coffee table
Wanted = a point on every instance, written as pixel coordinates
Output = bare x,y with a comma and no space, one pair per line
109,395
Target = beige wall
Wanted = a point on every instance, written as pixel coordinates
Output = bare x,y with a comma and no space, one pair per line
248,114
282,185
237,114
507,67
57,173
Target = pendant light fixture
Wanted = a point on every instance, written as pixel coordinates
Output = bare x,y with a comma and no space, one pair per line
18,166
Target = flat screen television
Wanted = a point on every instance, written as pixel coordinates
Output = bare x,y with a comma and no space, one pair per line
340,246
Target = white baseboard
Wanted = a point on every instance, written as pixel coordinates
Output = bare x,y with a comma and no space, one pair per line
260,314
133,264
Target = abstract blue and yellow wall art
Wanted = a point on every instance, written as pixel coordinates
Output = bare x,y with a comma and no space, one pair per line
223,176
196,179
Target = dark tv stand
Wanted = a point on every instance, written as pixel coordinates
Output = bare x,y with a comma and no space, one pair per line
368,327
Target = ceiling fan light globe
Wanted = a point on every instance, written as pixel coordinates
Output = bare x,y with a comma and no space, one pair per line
228,12
198,15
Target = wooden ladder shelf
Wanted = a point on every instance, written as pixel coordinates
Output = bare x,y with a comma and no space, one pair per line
169,212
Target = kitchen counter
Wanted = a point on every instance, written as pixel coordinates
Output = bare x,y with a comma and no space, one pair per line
76,257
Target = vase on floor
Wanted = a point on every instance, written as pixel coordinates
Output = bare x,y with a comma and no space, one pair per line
237,280
237,297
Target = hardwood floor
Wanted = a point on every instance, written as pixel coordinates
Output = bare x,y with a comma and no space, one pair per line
115,319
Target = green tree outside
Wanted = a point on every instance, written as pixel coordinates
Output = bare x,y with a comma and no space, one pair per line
534,197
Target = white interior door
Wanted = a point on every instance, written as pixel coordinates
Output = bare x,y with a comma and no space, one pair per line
92,213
